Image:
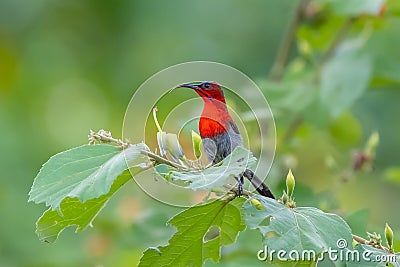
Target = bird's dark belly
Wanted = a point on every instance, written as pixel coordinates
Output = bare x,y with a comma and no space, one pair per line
219,146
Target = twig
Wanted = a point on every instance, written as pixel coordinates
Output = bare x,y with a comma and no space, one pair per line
163,160
360,240
106,137
368,243
284,48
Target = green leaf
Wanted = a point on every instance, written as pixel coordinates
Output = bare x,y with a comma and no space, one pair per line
214,176
344,79
173,146
86,172
202,230
298,229
74,212
293,95
383,49
164,170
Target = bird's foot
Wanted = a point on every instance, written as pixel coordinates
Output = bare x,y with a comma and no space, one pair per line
240,189
240,186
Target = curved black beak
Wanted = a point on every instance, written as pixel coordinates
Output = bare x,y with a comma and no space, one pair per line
189,85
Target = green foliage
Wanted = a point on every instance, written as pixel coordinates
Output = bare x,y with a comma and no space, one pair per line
85,172
77,183
296,229
346,70
381,46
73,212
217,175
201,231
290,96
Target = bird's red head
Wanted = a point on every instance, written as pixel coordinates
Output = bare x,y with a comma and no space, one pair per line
215,118
209,91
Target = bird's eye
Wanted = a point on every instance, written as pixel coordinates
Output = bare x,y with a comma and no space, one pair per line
206,85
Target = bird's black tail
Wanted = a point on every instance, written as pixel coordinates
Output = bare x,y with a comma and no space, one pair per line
261,188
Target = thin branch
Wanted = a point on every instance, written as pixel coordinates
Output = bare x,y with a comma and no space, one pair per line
360,240
368,243
283,52
105,137
163,160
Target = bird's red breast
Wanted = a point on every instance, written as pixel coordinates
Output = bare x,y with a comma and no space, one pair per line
209,128
215,119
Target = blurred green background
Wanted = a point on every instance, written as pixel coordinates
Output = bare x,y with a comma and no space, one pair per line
70,66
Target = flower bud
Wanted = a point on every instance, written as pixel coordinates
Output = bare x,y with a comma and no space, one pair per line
290,183
285,198
197,144
389,236
372,143
256,203
173,146
162,142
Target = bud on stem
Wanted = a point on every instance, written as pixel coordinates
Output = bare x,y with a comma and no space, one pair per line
389,237
173,146
372,144
197,144
257,204
290,183
162,142
285,198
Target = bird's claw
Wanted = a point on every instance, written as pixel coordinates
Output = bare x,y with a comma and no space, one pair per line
240,185
240,188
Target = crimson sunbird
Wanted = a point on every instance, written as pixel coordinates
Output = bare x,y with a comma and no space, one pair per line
219,132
